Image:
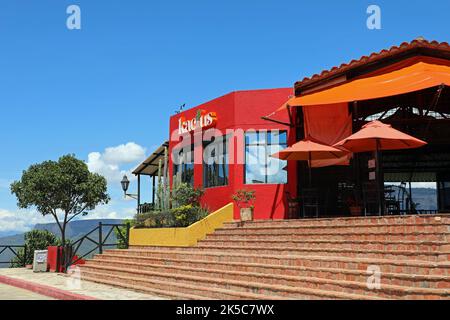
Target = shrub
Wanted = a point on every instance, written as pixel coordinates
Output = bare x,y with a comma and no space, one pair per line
185,211
159,219
35,240
184,194
121,243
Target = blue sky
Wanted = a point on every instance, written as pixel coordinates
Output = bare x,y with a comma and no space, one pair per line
118,79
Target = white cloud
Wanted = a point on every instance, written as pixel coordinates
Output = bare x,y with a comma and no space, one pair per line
124,153
20,221
110,163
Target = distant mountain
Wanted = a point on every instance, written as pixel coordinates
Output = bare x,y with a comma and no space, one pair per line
425,198
75,230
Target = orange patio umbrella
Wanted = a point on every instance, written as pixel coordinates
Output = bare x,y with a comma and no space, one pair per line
310,149
377,136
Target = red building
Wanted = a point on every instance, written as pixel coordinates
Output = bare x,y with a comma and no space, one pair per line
238,117
244,128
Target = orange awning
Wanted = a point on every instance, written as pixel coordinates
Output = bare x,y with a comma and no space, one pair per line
416,77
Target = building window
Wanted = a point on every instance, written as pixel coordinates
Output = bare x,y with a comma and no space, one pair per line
260,167
215,162
183,164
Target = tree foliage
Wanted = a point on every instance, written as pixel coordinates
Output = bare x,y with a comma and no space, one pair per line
34,240
63,189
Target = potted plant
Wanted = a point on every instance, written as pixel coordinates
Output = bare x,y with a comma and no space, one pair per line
354,207
245,200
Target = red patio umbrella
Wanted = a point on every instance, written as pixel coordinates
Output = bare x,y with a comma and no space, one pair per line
309,149
377,136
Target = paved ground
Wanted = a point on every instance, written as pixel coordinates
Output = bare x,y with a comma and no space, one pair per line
13,293
87,288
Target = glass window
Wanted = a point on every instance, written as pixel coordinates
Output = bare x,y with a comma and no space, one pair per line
260,167
183,164
215,162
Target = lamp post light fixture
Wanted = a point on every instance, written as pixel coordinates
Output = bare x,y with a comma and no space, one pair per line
125,184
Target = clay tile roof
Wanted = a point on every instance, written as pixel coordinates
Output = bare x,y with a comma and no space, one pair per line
375,56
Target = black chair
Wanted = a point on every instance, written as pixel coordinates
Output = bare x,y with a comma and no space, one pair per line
392,205
310,202
293,207
370,198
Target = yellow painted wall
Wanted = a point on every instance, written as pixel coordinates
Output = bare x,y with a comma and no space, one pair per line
184,237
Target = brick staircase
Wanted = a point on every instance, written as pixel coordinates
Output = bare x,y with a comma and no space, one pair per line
292,259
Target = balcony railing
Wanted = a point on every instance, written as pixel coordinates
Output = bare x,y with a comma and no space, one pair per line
145,207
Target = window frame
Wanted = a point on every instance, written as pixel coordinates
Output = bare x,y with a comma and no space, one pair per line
183,165
226,146
267,145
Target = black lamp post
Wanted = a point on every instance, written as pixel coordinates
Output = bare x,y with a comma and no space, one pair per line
125,184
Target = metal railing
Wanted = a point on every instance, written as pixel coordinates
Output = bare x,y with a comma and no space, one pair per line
72,250
14,250
145,207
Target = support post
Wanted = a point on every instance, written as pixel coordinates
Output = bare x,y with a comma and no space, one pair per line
127,236
153,191
379,179
24,256
100,238
139,191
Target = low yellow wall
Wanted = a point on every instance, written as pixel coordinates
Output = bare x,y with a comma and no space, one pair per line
184,237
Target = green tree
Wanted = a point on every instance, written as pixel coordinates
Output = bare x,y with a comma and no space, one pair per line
63,189
34,240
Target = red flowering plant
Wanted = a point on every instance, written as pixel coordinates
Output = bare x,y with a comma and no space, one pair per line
245,198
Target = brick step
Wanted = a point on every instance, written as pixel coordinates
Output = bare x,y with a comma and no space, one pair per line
286,236
216,288
186,258
318,230
283,251
160,293
163,294
283,275
342,244
355,221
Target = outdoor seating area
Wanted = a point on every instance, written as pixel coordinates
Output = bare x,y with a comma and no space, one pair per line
368,131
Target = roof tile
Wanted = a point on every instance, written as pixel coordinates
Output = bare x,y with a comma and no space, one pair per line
416,43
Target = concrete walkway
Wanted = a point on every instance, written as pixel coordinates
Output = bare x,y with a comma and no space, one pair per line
13,293
71,285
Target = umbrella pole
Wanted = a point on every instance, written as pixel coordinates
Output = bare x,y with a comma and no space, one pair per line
309,170
378,179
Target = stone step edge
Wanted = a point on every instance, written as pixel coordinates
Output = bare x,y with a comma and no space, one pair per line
392,289
383,242
309,249
403,276
299,290
415,263
227,232
335,226
246,295
161,293
217,250
426,216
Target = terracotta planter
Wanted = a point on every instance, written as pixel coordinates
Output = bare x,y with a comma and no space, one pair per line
246,214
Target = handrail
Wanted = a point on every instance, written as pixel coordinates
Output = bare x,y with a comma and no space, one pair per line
4,248
71,250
